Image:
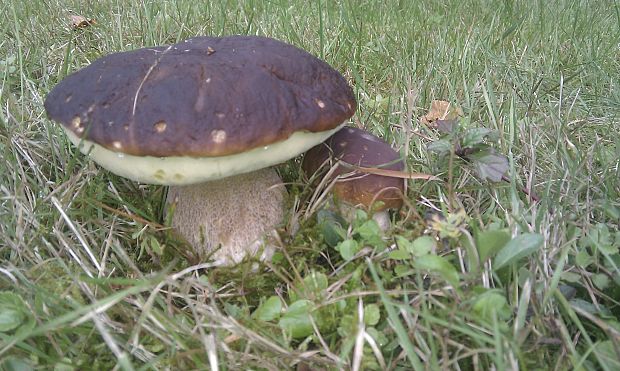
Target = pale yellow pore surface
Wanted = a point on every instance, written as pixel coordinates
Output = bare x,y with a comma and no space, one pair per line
181,170
235,212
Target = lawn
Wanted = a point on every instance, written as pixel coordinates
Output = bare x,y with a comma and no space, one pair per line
472,274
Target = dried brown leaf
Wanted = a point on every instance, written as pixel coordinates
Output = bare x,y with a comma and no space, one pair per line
440,110
78,21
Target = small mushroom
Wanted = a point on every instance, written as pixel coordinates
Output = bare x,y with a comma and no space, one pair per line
207,116
350,148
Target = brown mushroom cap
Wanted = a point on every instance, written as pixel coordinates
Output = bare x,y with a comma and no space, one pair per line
202,97
359,148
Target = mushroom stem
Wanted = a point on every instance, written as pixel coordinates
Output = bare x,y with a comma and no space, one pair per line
383,219
233,213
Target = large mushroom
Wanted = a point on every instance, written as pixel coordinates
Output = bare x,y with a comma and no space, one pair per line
348,150
207,116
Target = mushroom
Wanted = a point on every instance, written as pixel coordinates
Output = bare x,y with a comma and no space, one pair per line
207,116
358,148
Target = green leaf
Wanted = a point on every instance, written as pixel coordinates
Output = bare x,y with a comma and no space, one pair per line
601,281
234,310
379,336
332,226
399,255
583,259
474,136
12,363
567,291
489,243
347,326
601,239
570,277
440,147
371,233
277,258
598,310
65,365
296,320
612,211
439,265
348,249
490,166
489,302
10,319
155,246
14,313
472,257
269,310
523,275
315,282
372,314
606,355
402,243
519,247
402,270
422,245
361,216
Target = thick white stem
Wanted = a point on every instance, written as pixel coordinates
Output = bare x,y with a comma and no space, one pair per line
383,219
232,214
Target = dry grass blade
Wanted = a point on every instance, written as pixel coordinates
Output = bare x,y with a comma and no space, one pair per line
77,233
391,173
358,349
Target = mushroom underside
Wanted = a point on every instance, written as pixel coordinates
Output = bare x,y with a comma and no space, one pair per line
229,219
183,170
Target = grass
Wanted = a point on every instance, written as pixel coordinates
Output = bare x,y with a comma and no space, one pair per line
82,284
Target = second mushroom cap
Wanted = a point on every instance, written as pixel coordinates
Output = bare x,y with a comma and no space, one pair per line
356,147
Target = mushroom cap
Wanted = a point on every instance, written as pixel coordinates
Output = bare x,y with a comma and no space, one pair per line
359,148
205,97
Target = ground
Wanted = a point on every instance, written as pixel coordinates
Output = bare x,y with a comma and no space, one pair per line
509,260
